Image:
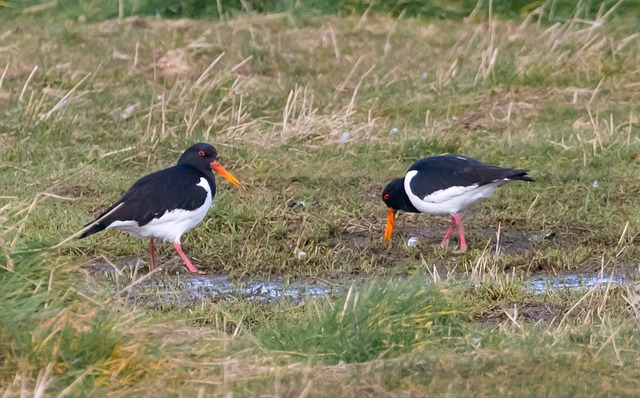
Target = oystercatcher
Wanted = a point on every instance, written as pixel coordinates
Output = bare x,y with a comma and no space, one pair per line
166,204
445,185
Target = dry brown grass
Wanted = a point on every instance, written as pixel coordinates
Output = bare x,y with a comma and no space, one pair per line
186,61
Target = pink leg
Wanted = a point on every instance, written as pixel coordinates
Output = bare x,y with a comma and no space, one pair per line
447,235
190,266
463,243
152,247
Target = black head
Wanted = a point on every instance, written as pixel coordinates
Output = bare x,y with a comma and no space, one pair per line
395,197
204,157
200,156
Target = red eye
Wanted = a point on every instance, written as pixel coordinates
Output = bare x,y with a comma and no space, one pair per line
201,153
385,196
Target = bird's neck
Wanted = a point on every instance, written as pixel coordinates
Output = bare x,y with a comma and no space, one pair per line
403,202
207,174
406,205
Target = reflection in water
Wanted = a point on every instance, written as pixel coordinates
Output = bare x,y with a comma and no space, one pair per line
171,289
220,287
542,284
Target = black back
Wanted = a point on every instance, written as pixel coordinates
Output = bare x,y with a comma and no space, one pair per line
441,172
165,190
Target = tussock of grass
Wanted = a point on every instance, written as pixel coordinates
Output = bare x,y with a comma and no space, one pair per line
42,328
378,320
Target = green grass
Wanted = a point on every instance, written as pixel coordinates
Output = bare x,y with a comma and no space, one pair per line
275,89
94,10
377,321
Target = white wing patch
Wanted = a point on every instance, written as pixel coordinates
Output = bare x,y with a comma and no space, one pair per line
172,225
451,200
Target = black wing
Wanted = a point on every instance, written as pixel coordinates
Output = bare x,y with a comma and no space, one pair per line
155,194
441,172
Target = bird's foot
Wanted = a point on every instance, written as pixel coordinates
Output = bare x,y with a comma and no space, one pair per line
445,245
194,270
186,260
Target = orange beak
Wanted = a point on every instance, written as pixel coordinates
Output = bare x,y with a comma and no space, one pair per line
389,228
224,173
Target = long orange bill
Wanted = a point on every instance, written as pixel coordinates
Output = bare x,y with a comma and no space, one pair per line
224,173
389,229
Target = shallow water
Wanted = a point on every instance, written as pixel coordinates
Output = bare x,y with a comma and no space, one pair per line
173,289
572,282
220,287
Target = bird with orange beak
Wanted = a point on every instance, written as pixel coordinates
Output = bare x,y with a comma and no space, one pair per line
166,204
445,185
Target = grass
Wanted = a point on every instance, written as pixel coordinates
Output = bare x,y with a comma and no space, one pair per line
380,320
315,112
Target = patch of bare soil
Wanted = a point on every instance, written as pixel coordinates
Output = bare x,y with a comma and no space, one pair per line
530,311
510,240
173,64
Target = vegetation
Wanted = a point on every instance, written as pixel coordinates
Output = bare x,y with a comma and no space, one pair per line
315,110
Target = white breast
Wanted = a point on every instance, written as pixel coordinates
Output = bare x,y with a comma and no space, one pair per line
172,225
452,200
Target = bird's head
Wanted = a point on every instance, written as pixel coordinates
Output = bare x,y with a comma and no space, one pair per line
391,197
395,197
205,156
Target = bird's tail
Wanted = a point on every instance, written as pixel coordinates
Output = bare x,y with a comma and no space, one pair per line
100,223
520,175
94,228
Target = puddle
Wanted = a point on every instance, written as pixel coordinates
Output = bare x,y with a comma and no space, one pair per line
187,288
170,289
571,282
219,288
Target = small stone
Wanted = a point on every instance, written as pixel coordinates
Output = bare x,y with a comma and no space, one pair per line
547,235
412,241
297,203
129,111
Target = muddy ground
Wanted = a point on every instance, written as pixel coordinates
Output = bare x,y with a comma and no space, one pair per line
172,286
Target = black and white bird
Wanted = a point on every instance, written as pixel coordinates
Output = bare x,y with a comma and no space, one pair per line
166,204
445,185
